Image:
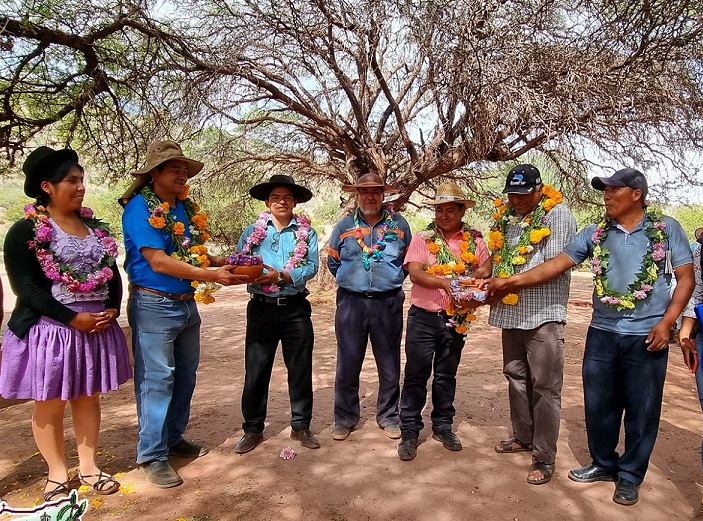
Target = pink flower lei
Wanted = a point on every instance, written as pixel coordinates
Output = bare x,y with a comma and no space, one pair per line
300,249
66,274
639,290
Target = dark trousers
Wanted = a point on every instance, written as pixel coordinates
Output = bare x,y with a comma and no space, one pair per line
429,345
267,325
359,318
620,375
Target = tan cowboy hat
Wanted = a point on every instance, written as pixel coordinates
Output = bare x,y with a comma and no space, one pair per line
370,181
158,153
450,193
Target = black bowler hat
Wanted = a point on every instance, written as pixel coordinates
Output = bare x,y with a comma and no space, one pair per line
625,177
522,179
262,190
39,165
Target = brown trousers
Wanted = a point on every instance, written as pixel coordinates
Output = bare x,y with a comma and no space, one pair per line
533,364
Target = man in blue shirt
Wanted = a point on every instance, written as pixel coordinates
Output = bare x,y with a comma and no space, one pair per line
278,310
161,309
366,254
636,253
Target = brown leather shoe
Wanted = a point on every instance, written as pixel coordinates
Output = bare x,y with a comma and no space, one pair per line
340,432
306,438
248,442
187,449
392,431
161,474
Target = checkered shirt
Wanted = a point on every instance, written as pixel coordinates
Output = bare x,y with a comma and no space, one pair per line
545,302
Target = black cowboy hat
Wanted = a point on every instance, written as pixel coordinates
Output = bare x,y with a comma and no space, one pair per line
39,163
262,190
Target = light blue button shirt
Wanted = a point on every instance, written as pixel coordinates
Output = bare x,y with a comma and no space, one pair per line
627,250
275,250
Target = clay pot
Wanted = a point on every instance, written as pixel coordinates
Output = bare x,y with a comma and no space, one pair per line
252,271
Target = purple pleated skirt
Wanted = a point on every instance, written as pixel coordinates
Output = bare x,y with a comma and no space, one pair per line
54,360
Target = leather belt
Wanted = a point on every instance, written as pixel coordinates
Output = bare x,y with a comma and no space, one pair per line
428,312
373,294
279,301
171,296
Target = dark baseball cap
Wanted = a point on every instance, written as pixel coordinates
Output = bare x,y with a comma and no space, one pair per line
522,179
625,177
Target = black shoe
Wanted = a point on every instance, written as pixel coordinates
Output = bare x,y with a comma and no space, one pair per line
450,441
161,474
248,442
592,473
626,492
187,449
306,438
407,449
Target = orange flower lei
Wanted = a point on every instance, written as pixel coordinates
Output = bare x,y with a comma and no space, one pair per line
506,257
449,266
190,250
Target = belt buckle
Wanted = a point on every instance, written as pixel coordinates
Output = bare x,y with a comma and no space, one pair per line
368,294
281,301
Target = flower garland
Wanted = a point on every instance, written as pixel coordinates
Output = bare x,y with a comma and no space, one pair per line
190,250
65,273
506,257
639,290
447,265
386,233
296,258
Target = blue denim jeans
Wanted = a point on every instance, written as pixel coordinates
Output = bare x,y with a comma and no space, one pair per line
699,376
699,371
166,344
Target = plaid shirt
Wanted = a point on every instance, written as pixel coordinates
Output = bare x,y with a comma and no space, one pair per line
545,302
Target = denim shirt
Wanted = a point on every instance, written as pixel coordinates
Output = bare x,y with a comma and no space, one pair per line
345,259
276,249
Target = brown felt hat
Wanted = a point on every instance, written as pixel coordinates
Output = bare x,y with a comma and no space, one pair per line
370,181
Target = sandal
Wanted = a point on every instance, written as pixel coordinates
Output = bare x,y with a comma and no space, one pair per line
512,445
545,469
61,488
105,484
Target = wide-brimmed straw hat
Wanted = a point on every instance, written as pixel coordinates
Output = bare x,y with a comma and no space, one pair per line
450,193
39,163
370,181
262,190
157,154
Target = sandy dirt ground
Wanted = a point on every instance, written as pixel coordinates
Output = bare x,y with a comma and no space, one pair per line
362,478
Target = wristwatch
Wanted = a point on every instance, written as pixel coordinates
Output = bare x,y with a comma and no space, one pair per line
281,278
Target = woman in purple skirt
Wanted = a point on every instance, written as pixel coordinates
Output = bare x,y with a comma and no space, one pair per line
63,342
